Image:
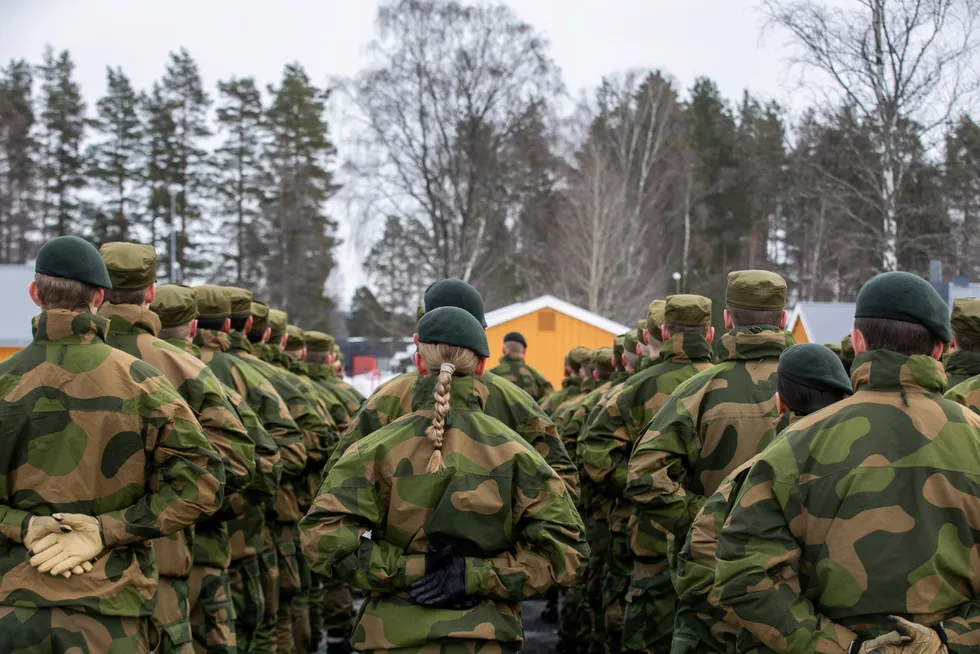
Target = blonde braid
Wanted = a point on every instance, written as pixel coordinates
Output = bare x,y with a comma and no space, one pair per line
438,428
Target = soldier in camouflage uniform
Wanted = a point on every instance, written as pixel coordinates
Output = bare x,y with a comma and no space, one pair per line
579,360
343,404
515,369
505,401
964,361
866,509
254,551
102,442
809,379
847,353
133,328
642,610
211,600
716,420
474,522
570,379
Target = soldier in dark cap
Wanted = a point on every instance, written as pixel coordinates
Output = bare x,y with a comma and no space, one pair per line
515,369
858,526
100,455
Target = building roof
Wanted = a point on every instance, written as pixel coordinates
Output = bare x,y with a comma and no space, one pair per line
18,309
824,322
508,313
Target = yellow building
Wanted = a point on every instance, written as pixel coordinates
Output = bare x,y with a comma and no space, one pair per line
18,309
551,327
821,322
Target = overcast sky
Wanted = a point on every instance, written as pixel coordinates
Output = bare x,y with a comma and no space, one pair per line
589,38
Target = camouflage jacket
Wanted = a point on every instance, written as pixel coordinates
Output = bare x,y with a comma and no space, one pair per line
217,551
864,509
497,502
514,369
337,405
569,387
966,393
86,428
505,402
133,329
247,532
578,415
711,424
960,366
564,411
325,376
304,413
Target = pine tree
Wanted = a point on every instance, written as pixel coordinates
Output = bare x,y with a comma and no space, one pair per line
18,172
159,174
237,177
117,159
62,131
301,236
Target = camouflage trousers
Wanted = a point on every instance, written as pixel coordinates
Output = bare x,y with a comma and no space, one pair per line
650,605
331,611
265,636
599,542
212,611
171,616
248,600
290,585
302,634
54,631
619,569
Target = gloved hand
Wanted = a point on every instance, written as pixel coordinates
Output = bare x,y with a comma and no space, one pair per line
442,586
916,639
61,553
40,526
891,639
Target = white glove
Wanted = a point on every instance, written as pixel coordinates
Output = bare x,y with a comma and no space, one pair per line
66,553
40,526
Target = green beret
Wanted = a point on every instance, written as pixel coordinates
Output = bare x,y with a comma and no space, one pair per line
295,338
453,326
515,337
655,319
847,349
814,366
619,346
966,316
319,342
579,356
241,301
905,297
260,315
756,289
131,266
688,311
213,302
70,257
277,323
455,293
602,359
631,339
175,305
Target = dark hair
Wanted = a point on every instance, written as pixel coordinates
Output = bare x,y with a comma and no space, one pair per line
126,297
688,329
211,324
906,338
316,357
238,323
749,317
804,400
61,293
256,335
966,343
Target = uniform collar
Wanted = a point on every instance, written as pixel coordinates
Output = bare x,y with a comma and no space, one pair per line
963,364
239,342
212,340
65,325
686,347
464,393
884,370
129,318
752,343
186,346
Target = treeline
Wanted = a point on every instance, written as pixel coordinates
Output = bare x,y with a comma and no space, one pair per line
246,173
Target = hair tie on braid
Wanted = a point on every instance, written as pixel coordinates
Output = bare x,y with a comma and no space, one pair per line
447,367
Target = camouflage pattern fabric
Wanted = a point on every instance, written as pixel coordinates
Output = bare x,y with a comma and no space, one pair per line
862,510
102,433
605,447
569,389
501,505
505,402
710,425
960,366
325,376
514,369
564,411
55,630
212,616
248,600
171,616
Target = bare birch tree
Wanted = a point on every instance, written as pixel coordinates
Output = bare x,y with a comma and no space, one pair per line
901,64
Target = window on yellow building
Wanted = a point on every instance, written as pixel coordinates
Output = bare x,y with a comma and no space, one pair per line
546,321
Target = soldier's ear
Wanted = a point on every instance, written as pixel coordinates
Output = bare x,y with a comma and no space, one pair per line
710,336
860,345
32,291
480,367
664,334
780,407
729,325
193,331
646,336
420,365
226,328
151,294
782,321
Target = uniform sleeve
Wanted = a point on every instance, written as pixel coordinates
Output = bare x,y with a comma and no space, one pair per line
226,433
275,417
758,567
966,394
661,465
963,630
537,429
374,414
605,444
333,533
185,474
551,545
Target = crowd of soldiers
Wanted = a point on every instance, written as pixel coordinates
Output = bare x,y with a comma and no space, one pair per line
184,471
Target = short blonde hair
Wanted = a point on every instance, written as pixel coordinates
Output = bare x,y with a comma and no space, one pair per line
444,360
61,293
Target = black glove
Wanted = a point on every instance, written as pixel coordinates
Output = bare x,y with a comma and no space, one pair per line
438,557
444,586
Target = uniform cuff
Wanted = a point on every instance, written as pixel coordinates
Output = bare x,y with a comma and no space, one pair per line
477,573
